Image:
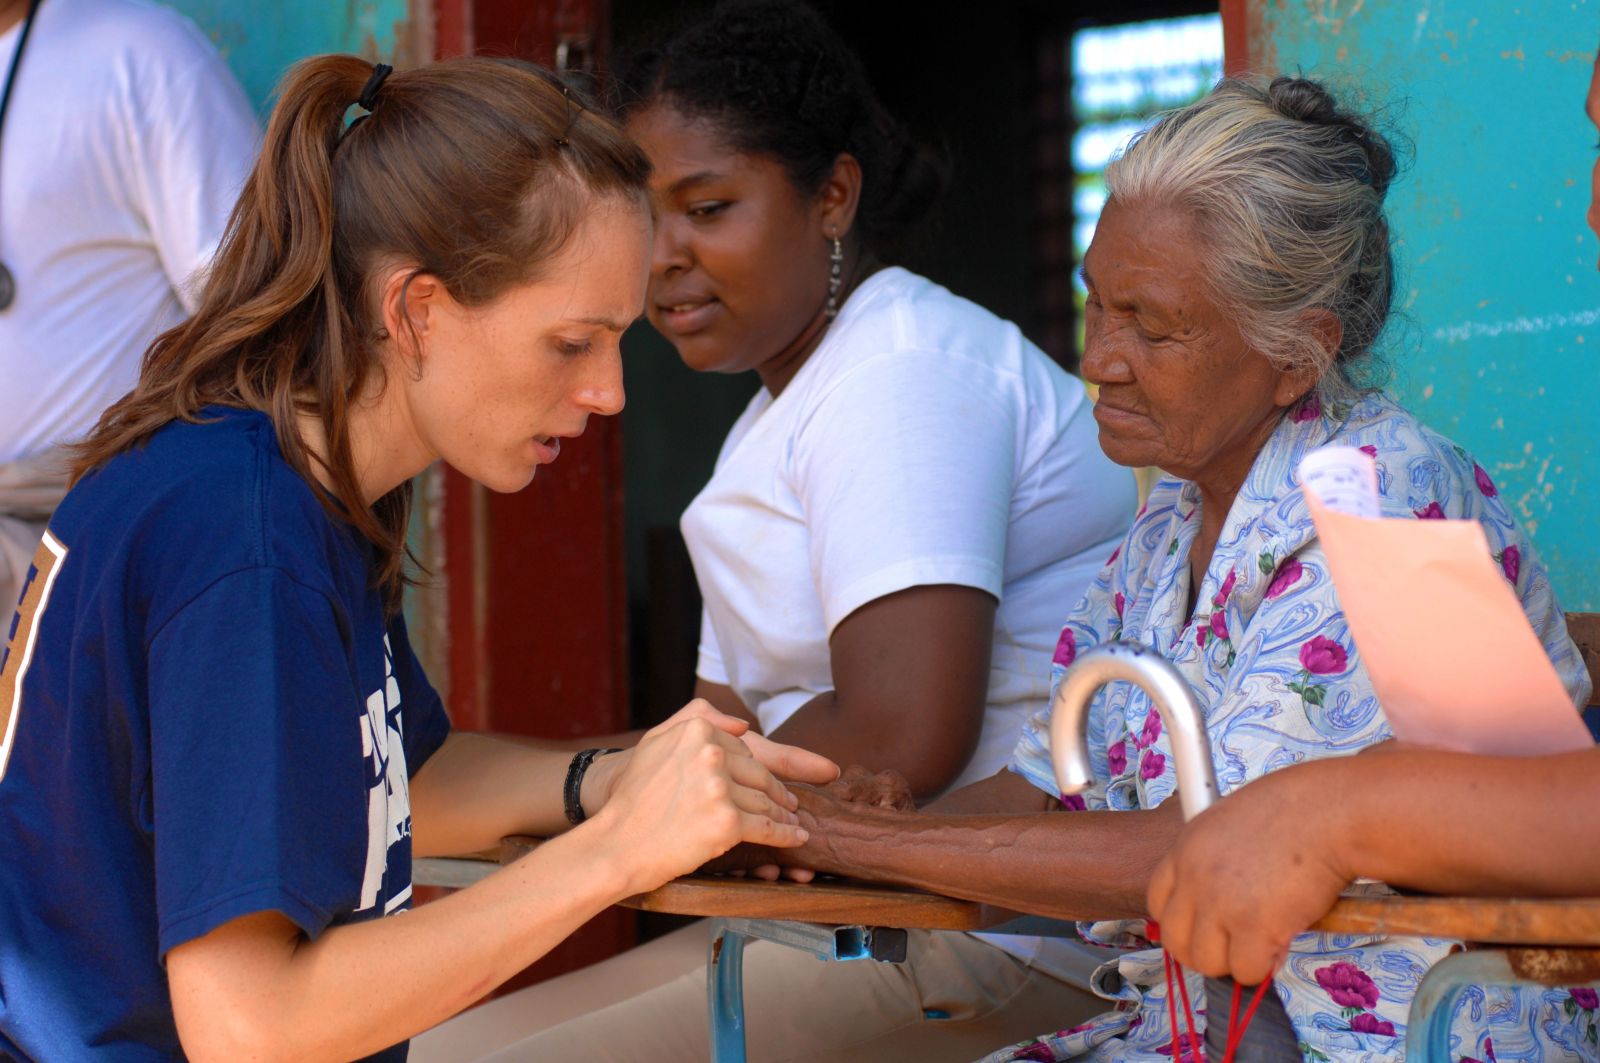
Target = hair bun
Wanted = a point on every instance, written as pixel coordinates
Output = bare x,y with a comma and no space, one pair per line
1306,100
1303,99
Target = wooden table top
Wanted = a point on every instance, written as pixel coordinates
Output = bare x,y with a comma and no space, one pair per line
1488,920
832,901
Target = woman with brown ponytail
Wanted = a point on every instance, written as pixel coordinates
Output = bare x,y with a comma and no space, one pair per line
218,754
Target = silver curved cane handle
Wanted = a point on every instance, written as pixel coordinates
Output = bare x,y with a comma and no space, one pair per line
1173,699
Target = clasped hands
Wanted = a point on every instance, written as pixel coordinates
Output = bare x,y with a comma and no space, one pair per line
856,789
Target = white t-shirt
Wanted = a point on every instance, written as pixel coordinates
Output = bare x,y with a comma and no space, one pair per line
124,149
925,441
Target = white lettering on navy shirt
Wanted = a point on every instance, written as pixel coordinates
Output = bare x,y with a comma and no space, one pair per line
388,788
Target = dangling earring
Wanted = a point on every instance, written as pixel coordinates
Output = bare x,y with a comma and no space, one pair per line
835,278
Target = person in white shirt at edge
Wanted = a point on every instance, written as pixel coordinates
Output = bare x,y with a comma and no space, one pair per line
123,149
892,533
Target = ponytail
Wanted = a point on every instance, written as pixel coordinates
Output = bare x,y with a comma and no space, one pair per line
475,171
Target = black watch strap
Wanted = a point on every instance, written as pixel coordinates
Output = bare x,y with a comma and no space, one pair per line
573,790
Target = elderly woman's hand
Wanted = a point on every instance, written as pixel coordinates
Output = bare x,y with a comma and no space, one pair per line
815,807
858,787
1248,874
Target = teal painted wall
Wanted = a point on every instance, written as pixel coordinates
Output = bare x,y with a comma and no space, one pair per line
1499,325
261,40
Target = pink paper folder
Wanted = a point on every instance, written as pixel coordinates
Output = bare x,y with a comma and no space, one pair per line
1452,657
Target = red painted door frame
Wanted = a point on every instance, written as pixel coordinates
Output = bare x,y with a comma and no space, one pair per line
1243,45
534,592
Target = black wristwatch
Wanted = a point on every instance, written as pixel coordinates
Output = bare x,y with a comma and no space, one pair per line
573,789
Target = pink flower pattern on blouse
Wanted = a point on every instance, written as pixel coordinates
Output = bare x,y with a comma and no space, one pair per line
1286,576
1485,484
1511,562
1348,985
1151,764
1295,690
1323,656
1066,649
1432,511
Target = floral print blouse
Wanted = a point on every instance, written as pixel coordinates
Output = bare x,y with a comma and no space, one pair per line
1268,653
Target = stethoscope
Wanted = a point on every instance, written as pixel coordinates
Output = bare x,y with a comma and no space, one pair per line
8,282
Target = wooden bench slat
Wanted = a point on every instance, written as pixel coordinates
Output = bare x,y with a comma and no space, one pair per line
1499,921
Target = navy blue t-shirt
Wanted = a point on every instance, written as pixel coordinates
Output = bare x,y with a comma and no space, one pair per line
204,713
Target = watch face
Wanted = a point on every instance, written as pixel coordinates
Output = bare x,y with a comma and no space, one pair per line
8,287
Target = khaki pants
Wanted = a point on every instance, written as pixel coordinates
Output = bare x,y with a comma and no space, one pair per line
30,490
650,1005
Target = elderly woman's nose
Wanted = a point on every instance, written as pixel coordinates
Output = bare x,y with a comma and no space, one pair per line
1103,361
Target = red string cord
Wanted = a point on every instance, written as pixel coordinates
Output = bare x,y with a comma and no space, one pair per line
1237,1023
1170,966
1188,1013
1172,1007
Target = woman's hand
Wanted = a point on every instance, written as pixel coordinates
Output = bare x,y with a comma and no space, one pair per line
1248,874
786,762
790,762
688,792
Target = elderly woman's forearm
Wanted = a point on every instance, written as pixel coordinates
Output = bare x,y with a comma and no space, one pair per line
1456,823
1083,865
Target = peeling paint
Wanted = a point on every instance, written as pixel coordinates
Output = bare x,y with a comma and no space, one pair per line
1466,330
1497,266
1334,13
261,41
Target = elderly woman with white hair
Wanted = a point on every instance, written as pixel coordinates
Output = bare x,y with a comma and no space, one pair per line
1238,281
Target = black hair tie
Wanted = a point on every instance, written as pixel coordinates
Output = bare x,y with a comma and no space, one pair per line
369,92
574,110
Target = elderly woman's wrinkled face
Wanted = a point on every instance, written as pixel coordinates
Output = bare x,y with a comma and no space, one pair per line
1179,387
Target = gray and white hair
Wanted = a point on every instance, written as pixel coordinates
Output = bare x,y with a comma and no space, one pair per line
1287,192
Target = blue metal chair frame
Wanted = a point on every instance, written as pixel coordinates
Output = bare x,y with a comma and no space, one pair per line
725,966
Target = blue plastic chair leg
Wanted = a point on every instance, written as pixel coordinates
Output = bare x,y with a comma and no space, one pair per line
1434,1006
725,994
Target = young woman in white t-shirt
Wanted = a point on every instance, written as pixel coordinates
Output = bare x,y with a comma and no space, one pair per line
895,529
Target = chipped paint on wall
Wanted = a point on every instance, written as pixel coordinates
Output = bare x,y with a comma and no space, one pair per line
1501,297
260,41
